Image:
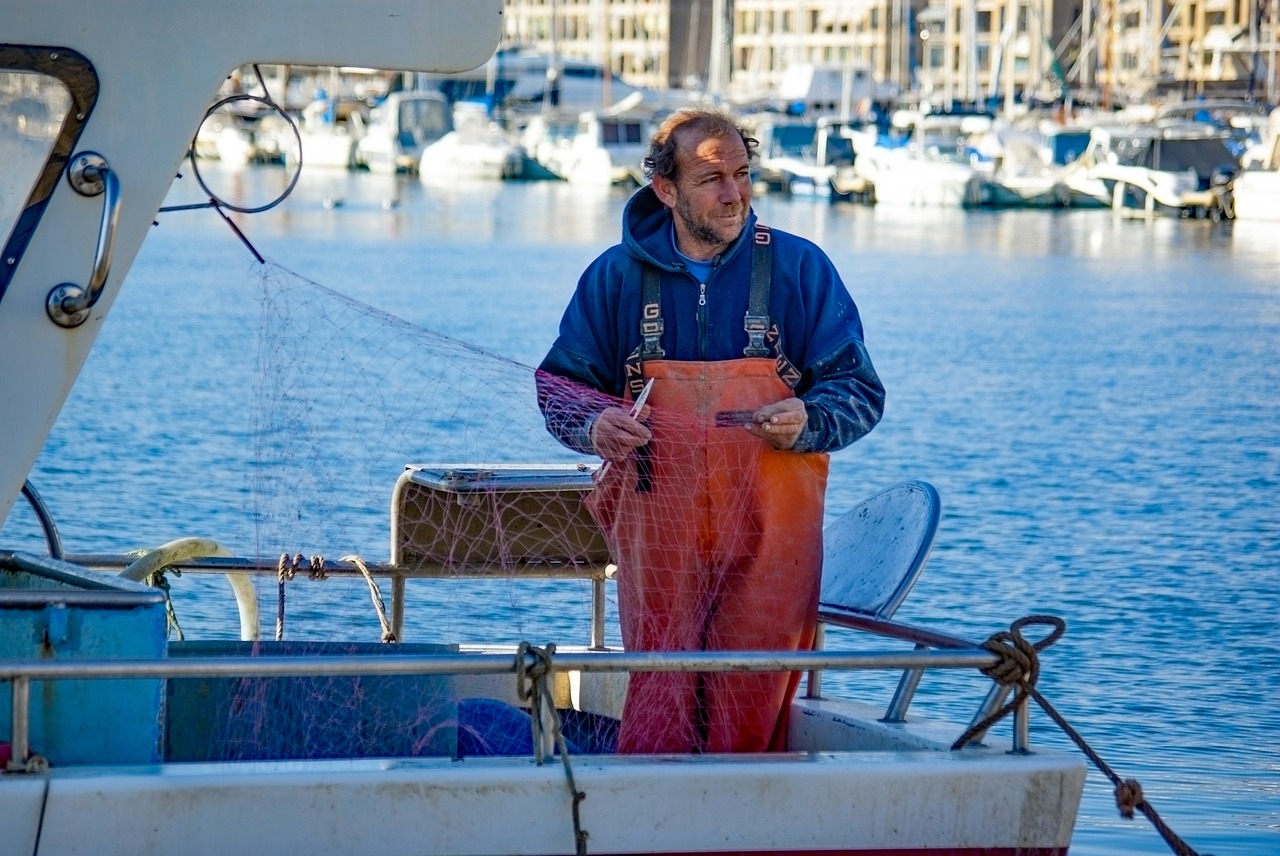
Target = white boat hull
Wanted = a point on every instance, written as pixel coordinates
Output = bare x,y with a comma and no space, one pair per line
980,800
921,184
1255,195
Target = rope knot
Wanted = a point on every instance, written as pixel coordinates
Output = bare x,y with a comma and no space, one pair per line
1018,667
287,567
529,676
1129,797
1019,664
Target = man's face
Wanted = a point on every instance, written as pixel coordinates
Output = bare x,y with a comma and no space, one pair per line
711,194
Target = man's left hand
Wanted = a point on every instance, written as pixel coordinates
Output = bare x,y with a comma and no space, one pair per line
781,423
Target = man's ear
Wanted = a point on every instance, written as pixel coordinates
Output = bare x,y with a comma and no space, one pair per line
665,188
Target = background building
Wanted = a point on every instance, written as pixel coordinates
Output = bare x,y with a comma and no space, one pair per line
940,51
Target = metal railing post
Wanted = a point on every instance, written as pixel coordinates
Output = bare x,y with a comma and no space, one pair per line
906,691
1022,728
814,688
20,730
397,606
597,612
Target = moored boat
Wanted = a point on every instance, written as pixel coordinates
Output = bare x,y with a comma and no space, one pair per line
476,149
935,166
1255,192
121,741
399,129
1180,169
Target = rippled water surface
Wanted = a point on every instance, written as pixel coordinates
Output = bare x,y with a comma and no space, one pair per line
1096,400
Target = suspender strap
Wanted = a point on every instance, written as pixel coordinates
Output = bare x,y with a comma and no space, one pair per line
757,321
650,347
651,315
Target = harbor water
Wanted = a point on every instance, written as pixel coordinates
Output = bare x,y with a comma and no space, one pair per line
1097,400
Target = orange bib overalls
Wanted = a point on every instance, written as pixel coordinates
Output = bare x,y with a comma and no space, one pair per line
718,543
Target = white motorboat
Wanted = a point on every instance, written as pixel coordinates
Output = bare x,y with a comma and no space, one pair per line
523,81
476,149
1183,169
547,138
120,741
606,149
1027,168
1255,192
330,129
239,137
399,129
933,169
811,157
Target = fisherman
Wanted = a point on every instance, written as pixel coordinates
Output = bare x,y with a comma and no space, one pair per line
711,496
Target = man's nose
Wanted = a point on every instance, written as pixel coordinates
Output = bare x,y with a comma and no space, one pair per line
730,191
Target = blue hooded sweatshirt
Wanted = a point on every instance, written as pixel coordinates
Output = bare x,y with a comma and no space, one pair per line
820,331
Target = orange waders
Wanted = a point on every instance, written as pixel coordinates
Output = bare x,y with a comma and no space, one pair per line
718,542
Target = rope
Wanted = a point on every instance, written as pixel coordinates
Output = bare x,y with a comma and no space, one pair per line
157,579
533,685
388,634
286,569
1019,668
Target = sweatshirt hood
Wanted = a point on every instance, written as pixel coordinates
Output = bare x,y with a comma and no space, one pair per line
646,231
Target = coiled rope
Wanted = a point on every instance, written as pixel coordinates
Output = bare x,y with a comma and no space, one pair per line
1019,668
533,685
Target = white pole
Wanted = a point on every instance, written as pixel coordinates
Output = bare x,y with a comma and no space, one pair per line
716,57
1271,60
1086,45
949,38
971,58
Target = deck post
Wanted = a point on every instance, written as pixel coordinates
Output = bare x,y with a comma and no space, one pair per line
20,730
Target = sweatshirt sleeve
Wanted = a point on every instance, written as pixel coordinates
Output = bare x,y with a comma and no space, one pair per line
576,380
843,395
844,401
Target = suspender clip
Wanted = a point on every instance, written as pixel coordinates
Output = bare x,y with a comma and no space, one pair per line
756,326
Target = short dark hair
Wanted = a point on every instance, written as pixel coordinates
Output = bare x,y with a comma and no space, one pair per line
711,121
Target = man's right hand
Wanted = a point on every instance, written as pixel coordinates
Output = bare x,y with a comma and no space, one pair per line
615,434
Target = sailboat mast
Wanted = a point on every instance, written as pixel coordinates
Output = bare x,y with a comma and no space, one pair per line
716,77
553,61
1271,59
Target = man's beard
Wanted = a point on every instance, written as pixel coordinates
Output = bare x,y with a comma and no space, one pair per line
703,231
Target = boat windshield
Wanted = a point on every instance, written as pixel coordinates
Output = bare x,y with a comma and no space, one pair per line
422,120
945,142
839,150
33,107
622,132
1204,155
792,141
1068,145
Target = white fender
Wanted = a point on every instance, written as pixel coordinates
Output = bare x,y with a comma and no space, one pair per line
183,549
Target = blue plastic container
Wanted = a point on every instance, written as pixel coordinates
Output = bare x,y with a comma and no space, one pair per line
52,610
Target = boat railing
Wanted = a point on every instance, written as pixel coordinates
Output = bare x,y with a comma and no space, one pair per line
20,673
925,640
932,649
398,574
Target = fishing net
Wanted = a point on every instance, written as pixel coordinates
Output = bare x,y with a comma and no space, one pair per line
380,439
373,431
